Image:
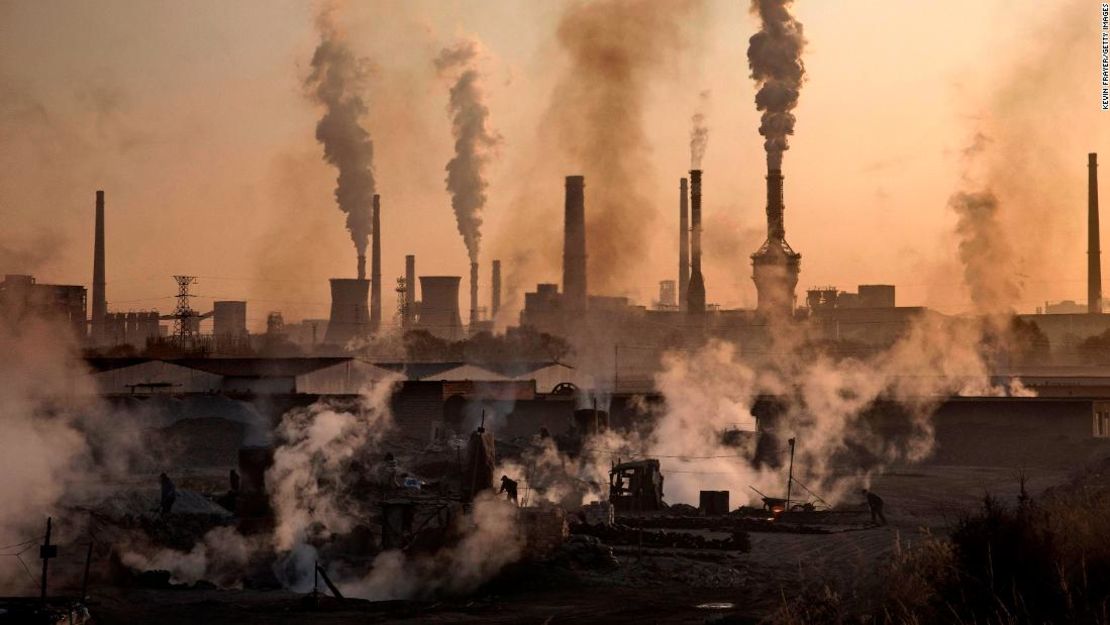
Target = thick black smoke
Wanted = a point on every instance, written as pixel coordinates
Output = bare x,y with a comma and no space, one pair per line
775,58
336,82
473,141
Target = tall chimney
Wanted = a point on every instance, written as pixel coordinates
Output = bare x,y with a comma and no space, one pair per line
683,243
495,290
361,267
775,266
574,246
99,296
473,297
1094,259
410,291
376,267
695,293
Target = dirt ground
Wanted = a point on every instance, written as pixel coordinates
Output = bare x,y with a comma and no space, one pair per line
649,586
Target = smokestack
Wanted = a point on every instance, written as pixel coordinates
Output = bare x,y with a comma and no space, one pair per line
361,273
683,243
1094,259
775,266
574,246
495,290
410,291
375,267
473,297
695,294
776,229
99,296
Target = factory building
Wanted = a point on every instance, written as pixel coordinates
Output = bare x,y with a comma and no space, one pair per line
22,299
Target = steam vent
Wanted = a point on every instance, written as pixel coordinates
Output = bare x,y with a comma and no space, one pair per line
775,266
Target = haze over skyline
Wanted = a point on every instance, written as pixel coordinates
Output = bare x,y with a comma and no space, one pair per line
193,119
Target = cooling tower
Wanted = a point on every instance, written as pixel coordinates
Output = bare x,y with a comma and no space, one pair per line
574,246
695,293
495,290
439,307
775,266
376,267
350,316
1094,253
99,296
683,243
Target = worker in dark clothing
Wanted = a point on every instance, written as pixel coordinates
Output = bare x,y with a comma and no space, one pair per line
235,482
169,493
508,486
875,505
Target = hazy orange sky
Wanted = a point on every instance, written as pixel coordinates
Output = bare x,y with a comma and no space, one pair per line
192,117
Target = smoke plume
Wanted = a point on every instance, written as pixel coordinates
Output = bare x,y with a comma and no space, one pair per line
336,82
699,132
617,49
473,141
775,58
309,482
984,248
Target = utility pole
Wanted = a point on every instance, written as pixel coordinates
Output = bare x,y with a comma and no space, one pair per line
46,552
790,475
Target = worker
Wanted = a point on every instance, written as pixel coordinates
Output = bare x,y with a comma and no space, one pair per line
508,486
235,481
169,493
875,505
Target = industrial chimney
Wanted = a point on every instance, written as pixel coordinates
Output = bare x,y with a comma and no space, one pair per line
683,243
99,296
495,290
474,297
439,307
1094,259
695,293
574,246
350,316
410,291
376,268
775,266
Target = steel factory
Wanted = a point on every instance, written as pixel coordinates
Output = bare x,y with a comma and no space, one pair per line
558,452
